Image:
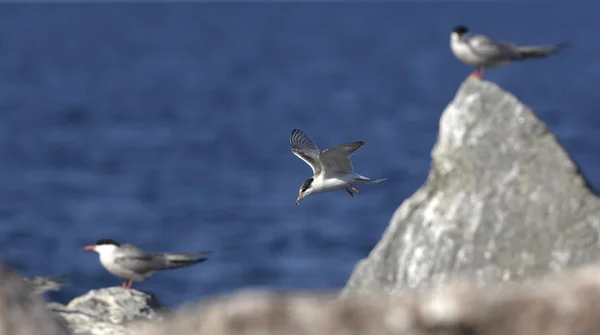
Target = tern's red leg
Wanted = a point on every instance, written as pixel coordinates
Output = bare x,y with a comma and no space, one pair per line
476,74
349,192
123,285
354,189
130,284
479,73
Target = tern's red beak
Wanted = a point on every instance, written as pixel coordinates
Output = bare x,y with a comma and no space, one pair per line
89,247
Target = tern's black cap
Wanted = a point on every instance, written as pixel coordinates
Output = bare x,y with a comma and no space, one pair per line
107,241
460,30
306,184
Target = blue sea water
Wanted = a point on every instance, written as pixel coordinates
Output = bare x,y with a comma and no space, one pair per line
167,126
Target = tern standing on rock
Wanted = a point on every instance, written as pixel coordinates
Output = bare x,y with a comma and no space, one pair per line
134,264
332,168
482,52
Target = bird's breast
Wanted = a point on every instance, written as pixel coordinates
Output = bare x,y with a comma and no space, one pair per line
463,52
331,183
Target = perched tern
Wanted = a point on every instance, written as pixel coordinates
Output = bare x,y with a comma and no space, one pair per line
332,168
481,52
131,263
40,285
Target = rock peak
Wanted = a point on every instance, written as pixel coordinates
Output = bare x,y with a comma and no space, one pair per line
503,201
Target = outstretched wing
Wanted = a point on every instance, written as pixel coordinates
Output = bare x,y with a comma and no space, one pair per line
337,159
305,149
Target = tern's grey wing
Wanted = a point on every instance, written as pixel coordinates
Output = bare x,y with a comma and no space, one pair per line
489,49
305,149
134,259
502,51
337,159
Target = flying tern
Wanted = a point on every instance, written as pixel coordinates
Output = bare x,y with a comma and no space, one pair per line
481,52
131,263
332,168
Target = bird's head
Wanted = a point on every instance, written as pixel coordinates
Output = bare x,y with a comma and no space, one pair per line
305,190
460,31
103,246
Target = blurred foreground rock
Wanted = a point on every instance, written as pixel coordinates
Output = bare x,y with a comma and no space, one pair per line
43,284
503,201
21,312
568,304
565,305
109,311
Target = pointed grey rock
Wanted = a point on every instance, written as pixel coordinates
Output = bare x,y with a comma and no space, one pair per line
503,201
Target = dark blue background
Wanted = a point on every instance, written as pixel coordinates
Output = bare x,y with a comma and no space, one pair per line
167,126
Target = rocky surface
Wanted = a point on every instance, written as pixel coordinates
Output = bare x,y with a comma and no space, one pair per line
109,311
503,201
567,304
21,312
562,305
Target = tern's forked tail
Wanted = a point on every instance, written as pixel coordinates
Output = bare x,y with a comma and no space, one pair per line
174,261
527,52
366,180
